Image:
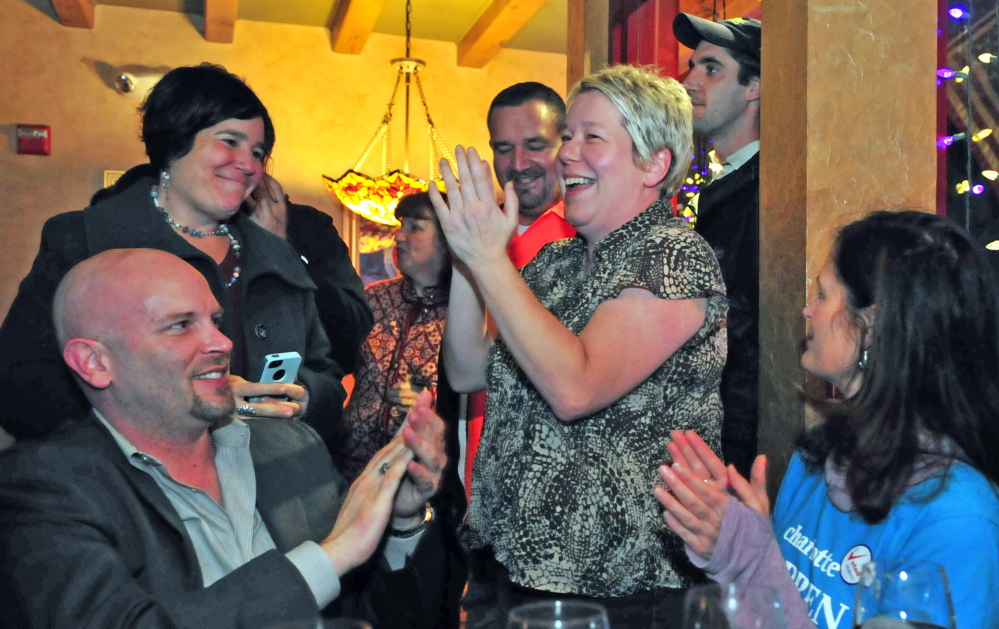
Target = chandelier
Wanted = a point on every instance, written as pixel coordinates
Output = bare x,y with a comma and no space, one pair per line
375,198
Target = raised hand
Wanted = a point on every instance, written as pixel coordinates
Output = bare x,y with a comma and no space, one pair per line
423,435
753,493
477,229
699,488
365,512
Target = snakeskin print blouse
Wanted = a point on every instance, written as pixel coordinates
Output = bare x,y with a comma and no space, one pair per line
568,507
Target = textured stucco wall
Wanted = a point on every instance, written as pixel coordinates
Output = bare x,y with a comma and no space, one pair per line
872,100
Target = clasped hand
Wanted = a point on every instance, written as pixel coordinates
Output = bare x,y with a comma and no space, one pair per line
477,229
402,396
395,484
698,488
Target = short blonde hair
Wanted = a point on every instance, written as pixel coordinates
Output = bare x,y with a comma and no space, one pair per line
656,112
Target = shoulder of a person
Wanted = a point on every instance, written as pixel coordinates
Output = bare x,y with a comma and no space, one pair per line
796,475
966,492
668,237
77,449
271,252
308,214
125,201
384,286
62,226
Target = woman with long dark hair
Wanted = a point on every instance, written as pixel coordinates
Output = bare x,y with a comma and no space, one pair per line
905,323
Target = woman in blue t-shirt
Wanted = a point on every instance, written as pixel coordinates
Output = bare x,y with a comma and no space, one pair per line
905,324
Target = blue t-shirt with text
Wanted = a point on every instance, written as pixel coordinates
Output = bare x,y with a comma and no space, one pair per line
956,527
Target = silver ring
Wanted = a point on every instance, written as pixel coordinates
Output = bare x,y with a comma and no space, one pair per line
384,467
246,409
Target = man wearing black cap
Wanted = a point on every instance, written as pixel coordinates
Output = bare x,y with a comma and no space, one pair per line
724,87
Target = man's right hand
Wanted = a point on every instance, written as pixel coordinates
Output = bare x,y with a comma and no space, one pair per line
365,513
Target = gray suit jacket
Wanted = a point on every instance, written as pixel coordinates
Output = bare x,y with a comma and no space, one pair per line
87,540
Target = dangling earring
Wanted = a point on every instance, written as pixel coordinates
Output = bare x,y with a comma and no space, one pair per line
862,363
165,184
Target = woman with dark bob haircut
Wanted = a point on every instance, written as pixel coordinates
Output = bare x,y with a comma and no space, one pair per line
906,324
208,137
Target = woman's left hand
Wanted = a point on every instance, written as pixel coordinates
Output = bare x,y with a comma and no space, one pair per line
477,229
271,403
696,497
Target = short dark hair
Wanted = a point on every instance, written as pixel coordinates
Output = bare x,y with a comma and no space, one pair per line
419,206
749,66
931,382
190,99
529,91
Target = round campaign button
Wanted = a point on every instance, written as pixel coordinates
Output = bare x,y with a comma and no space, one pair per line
853,561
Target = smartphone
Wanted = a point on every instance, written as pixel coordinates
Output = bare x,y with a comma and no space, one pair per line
281,367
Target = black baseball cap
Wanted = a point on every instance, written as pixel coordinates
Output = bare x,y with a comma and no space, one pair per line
740,33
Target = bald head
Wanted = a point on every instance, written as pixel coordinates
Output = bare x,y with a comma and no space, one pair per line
140,328
97,292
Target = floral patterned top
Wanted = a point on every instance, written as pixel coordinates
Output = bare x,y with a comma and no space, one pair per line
568,507
404,345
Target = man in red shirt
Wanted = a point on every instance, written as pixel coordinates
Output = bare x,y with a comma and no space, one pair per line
525,121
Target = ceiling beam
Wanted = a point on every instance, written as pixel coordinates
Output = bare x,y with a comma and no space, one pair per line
351,23
75,13
496,26
220,20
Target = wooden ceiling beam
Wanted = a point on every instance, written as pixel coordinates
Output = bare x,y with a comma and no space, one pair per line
351,24
75,13
220,20
495,27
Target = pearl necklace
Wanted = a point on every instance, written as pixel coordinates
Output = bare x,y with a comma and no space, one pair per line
221,230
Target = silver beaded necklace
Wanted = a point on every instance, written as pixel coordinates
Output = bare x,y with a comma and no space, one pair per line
221,230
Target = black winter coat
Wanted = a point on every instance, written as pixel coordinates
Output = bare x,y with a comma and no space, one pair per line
728,216
278,311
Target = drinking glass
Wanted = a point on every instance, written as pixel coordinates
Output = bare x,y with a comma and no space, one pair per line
903,594
558,615
724,606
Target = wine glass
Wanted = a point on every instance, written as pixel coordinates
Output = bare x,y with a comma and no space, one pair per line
725,606
558,615
903,594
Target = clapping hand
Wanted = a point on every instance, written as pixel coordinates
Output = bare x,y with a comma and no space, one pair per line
477,229
395,484
699,488
423,435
